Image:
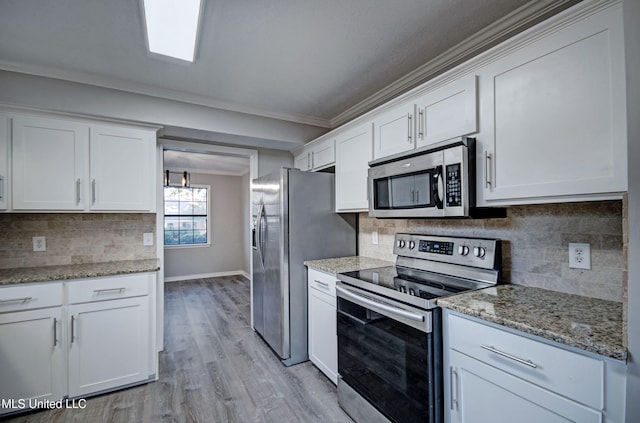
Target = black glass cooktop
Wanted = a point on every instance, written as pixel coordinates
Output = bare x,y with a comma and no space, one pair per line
405,284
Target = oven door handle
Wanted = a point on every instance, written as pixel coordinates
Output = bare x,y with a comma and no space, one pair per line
378,305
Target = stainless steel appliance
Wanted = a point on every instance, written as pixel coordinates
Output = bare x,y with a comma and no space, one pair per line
389,328
432,182
293,221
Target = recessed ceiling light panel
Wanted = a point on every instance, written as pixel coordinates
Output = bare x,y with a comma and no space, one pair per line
172,27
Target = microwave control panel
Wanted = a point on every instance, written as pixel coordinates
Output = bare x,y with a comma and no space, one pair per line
453,185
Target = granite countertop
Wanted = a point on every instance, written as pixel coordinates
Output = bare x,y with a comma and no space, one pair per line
76,271
587,323
334,266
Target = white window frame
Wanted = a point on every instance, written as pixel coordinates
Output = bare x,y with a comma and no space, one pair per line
209,226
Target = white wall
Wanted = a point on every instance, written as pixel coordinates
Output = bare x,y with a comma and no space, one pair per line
271,160
227,252
632,41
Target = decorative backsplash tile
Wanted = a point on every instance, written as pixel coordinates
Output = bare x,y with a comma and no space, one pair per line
74,238
535,244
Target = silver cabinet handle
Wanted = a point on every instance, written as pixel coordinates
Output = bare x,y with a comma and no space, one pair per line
309,166
509,356
55,331
93,191
1,187
453,373
313,159
421,124
322,284
487,169
73,327
16,300
78,191
410,128
100,291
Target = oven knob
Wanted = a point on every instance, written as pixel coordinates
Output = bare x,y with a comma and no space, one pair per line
412,245
412,292
401,243
463,250
479,252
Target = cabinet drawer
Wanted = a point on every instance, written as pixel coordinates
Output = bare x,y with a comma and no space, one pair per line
30,296
108,288
322,282
573,375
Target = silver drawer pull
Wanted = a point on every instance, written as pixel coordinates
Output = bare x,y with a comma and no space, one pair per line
101,291
17,300
322,284
509,356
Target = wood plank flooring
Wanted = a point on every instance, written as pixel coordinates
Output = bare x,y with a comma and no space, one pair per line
215,368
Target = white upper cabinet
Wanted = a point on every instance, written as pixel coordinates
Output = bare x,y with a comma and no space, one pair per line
50,168
67,165
447,112
394,131
316,155
553,114
121,162
4,162
354,151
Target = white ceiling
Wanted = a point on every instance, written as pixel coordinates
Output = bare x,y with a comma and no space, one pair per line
314,63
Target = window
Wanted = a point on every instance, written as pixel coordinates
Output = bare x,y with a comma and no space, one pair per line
186,215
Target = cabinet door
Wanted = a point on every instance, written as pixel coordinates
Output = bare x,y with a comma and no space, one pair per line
49,164
31,356
323,154
480,393
121,169
554,117
109,344
354,151
4,162
393,131
323,338
302,160
448,112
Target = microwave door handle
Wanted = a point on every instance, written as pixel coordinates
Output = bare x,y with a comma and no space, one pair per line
439,191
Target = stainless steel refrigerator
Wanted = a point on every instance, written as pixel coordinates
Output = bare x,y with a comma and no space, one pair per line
293,221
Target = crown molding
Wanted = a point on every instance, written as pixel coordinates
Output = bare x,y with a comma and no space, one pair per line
522,18
154,91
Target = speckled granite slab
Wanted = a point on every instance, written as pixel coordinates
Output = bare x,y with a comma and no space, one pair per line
334,266
75,271
583,322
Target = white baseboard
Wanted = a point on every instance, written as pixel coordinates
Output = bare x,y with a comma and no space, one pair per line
207,275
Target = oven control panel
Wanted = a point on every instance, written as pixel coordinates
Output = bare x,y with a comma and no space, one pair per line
476,252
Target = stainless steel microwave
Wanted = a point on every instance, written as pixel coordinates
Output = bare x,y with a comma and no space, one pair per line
430,182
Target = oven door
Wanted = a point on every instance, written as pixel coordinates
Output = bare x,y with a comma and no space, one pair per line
391,355
409,187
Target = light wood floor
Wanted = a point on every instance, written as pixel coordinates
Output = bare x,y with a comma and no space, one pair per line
215,368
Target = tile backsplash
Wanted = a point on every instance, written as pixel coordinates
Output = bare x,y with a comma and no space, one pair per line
535,244
74,238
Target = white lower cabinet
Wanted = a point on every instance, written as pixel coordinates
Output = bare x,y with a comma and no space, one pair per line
75,338
323,338
108,345
495,375
31,357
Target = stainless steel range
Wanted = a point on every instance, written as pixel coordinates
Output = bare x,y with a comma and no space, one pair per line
389,328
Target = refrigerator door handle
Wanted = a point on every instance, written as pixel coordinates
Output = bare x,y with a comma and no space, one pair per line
258,234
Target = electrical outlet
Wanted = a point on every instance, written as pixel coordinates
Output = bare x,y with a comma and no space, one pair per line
579,256
39,243
147,238
374,237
